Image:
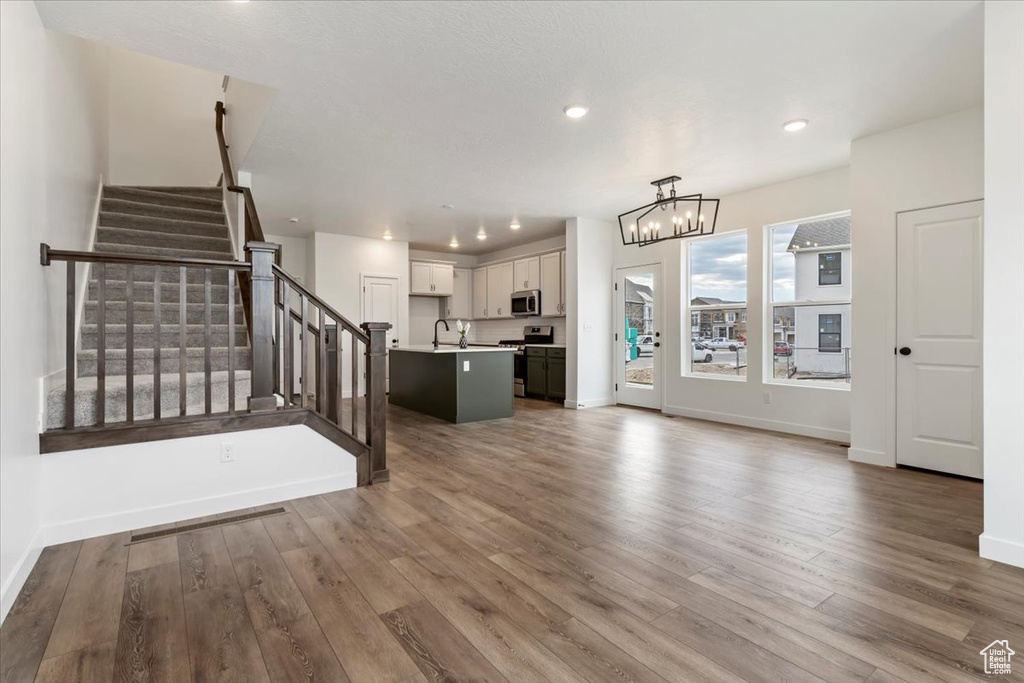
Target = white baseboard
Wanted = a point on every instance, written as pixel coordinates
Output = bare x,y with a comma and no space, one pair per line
78,529
590,403
1001,550
869,457
760,423
10,590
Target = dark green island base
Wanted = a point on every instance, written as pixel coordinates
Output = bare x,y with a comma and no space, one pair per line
438,383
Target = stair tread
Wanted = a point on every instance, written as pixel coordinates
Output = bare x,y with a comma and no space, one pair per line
163,198
203,191
89,384
162,221
128,207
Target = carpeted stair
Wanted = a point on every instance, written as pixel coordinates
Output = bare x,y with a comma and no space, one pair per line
178,222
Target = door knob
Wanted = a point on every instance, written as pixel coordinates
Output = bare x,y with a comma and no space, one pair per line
905,351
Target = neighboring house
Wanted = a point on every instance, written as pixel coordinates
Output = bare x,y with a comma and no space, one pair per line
821,251
639,307
784,325
728,319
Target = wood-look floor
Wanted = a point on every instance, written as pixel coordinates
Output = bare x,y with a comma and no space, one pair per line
601,545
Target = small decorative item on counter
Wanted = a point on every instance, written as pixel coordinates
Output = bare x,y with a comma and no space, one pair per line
463,331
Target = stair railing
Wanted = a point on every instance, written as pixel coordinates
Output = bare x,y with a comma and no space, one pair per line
339,397
250,218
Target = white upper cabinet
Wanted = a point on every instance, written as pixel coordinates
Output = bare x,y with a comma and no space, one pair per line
442,275
480,293
500,285
551,284
431,279
460,304
419,278
527,274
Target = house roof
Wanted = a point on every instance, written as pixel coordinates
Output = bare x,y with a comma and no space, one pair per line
634,291
828,232
711,301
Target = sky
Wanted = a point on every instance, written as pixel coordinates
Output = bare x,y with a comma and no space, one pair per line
718,266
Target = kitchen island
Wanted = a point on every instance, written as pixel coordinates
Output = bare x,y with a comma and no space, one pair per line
451,383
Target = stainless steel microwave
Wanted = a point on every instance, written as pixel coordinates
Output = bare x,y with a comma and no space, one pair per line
526,303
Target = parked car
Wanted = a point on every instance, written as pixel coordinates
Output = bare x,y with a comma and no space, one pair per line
720,343
701,353
783,349
645,344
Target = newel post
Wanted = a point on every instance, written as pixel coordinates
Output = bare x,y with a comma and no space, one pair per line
261,255
376,402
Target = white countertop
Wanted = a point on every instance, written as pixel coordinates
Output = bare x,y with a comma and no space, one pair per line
429,348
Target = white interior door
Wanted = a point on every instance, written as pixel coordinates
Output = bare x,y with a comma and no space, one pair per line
638,317
939,353
380,305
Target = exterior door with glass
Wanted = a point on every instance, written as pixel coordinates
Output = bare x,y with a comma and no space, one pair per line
639,343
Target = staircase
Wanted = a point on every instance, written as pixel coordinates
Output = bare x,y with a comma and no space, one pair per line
174,222
179,337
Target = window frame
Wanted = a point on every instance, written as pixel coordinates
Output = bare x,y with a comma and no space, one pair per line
838,271
770,305
838,334
686,363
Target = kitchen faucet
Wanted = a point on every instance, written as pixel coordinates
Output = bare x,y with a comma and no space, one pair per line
446,329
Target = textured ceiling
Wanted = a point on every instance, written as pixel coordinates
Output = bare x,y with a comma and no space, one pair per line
387,110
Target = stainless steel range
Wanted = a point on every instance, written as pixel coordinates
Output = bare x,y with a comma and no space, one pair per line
532,334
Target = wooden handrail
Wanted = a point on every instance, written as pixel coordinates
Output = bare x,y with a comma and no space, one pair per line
46,255
320,303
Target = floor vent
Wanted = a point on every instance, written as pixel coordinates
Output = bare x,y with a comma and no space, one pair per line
185,528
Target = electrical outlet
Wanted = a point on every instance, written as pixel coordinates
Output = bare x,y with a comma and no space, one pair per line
766,397
465,366
227,452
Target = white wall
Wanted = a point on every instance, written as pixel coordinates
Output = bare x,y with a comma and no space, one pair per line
939,161
589,306
53,128
161,122
814,411
338,262
107,490
1003,539
247,105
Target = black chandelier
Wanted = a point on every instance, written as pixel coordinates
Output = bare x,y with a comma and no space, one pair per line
690,215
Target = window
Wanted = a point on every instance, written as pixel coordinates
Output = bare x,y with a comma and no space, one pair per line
716,296
830,268
830,333
807,343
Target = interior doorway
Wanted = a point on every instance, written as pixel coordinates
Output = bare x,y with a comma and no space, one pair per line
380,304
938,338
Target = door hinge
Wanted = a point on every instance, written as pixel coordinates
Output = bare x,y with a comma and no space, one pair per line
616,336
616,386
616,286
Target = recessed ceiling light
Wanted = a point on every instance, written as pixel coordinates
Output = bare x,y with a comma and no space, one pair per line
794,125
447,206
515,225
575,111
293,220
454,244
481,235
387,235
